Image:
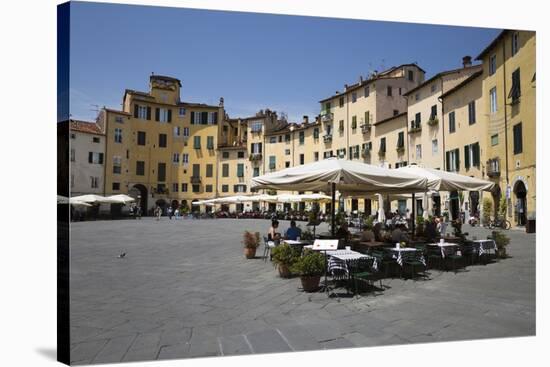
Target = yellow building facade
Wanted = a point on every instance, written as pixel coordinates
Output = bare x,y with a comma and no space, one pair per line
509,101
475,120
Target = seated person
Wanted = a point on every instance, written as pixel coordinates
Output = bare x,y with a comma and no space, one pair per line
399,234
272,234
367,235
377,229
343,232
430,230
293,232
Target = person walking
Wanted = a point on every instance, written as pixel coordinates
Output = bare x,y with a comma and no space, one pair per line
138,212
170,212
158,212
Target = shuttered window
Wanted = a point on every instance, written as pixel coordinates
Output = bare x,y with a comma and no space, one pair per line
472,112
518,139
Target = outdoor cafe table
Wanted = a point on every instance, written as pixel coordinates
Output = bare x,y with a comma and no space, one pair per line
447,248
484,246
344,259
397,251
296,243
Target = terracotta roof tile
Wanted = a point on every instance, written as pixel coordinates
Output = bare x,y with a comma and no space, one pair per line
85,127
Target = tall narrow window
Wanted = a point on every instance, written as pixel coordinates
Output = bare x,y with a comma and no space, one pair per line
118,135
452,127
492,64
515,91
515,43
518,139
472,112
389,91
493,100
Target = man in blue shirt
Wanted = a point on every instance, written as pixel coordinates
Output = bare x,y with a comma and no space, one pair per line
293,232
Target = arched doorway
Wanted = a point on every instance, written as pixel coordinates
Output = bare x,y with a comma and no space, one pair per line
454,205
139,192
175,204
520,208
474,203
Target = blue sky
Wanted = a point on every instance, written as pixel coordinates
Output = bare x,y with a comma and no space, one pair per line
254,61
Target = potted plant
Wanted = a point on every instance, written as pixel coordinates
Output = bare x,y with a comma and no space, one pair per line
310,267
502,242
419,225
251,241
284,256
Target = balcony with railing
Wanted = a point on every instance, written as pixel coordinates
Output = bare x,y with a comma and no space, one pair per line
415,127
493,167
196,179
366,152
365,128
254,157
327,116
327,138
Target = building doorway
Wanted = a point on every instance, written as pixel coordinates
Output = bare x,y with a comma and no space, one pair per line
520,208
436,205
454,205
368,206
139,192
474,203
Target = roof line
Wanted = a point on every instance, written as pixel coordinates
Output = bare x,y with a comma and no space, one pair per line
463,83
439,75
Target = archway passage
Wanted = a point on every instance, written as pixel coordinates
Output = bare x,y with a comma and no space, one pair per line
454,205
175,204
474,203
520,208
139,192
195,208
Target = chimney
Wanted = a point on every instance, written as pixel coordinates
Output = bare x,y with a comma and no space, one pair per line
467,61
306,119
345,86
360,79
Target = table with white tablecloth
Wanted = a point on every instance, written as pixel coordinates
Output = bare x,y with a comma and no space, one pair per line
396,253
447,248
485,246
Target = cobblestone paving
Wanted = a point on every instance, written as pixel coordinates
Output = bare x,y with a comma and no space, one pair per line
185,290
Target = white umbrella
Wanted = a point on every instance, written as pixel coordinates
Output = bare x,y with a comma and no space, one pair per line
343,175
121,198
314,197
448,181
91,199
348,176
62,199
79,203
288,198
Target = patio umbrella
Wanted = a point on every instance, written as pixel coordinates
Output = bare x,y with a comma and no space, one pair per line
62,199
79,203
338,174
91,199
448,181
314,197
121,198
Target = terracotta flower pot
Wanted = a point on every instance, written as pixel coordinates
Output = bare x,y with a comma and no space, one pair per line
250,252
284,271
310,283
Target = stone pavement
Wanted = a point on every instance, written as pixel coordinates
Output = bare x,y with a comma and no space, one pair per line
185,290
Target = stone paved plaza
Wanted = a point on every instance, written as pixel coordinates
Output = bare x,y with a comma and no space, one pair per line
185,289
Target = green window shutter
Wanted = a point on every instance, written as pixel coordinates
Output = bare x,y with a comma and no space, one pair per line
476,159
367,117
136,110
204,118
148,113
90,157
457,155
169,115
467,156
192,117
240,170
157,114
448,161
